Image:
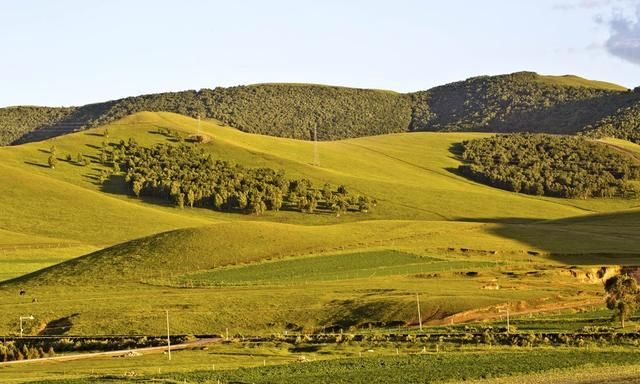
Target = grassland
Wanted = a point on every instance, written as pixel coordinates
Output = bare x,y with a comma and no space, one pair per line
143,256
101,262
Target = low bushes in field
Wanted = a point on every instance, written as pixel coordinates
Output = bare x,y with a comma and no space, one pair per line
34,347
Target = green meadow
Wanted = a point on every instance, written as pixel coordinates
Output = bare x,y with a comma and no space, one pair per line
90,255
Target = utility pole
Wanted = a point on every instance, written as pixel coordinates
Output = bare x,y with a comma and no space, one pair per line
315,146
508,320
502,310
30,317
168,337
419,316
198,124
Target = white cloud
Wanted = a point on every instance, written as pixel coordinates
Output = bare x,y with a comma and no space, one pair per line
624,41
581,4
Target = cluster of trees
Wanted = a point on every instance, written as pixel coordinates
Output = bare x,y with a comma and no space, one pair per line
560,166
188,176
11,351
80,159
517,102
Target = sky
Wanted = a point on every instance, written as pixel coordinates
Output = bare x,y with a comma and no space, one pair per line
74,52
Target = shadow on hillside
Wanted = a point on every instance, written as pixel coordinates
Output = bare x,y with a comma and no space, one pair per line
565,118
168,137
611,238
115,185
353,315
499,220
94,134
58,327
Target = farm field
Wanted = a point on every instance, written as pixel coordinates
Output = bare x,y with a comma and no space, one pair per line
382,366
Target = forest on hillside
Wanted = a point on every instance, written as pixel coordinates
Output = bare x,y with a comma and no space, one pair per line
285,110
518,102
188,176
17,121
623,124
550,165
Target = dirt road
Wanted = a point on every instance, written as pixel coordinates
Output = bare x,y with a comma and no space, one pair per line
121,352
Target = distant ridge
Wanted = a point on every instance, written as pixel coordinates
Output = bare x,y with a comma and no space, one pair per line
517,102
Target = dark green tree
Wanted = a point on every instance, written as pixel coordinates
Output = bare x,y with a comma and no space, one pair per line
53,160
623,296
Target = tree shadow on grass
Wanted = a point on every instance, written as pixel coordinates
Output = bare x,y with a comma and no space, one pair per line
37,164
58,327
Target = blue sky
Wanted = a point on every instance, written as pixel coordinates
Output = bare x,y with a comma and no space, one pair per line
75,52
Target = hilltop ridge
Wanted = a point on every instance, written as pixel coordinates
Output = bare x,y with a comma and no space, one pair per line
517,102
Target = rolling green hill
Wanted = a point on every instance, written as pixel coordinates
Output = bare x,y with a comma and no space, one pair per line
430,229
412,175
517,102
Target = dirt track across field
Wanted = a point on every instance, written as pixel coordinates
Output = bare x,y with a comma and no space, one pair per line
122,352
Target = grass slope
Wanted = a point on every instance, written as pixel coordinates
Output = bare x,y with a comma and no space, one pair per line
44,206
411,175
577,81
425,209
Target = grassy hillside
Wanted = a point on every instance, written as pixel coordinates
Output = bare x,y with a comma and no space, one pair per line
518,102
411,175
212,270
47,207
